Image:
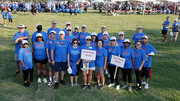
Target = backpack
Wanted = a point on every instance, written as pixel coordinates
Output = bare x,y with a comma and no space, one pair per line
176,29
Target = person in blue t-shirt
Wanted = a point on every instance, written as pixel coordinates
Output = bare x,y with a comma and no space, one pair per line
105,41
69,37
100,62
70,10
63,9
9,13
139,60
150,51
4,15
138,36
113,49
59,52
68,24
94,39
83,35
121,40
100,35
49,44
76,33
128,54
26,63
40,57
165,28
54,23
24,8
175,29
39,30
18,37
52,7
88,65
73,59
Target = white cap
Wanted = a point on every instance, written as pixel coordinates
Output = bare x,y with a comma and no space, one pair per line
24,41
68,23
76,27
94,33
139,27
21,26
176,20
88,37
127,40
68,28
84,26
145,37
61,32
38,24
39,34
121,33
103,26
105,32
53,32
113,38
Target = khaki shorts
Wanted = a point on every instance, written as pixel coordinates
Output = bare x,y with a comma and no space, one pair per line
16,57
175,35
92,68
99,70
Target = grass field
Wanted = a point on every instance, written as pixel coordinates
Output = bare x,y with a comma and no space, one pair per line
164,84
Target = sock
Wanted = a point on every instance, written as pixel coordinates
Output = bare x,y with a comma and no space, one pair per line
53,77
108,75
50,79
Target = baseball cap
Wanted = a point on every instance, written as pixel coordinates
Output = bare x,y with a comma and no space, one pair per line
39,35
139,27
24,41
88,37
53,32
94,33
76,27
61,32
127,40
176,20
68,28
145,37
105,32
103,26
38,24
121,33
68,23
113,38
84,26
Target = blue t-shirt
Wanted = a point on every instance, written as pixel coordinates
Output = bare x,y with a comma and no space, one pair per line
111,50
100,36
4,14
106,44
24,7
69,38
94,43
26,56
120,42
165,23
100,57
10,15
49,44
83,38
174,25
76,35
90,47
57,30
148,49
127,54
19,35
139,56
74,53
45,37
138,36
40,50
60,48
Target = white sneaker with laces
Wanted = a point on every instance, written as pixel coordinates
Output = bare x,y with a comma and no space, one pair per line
124,86
111,85
50,83
39,80
45,80
129,89
146,86
117,87
143,82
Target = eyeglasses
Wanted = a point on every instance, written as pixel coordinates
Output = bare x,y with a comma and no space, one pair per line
121,35
113,40
68,30
88,39
75,43
53,23
25,44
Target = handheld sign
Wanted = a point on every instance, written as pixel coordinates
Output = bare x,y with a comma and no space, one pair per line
88,54
118,61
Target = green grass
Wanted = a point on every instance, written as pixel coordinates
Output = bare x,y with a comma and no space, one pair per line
164,84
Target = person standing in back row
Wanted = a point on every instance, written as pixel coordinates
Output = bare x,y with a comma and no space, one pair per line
165,28
175,29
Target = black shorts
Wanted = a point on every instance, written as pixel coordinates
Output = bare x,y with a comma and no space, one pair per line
78,68
164,32
145,72
57,66
41,61
24,10
10,20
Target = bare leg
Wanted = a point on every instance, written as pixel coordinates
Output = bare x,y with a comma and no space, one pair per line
102,78
17,65
76,79
90,77
85,77
71,78
57,76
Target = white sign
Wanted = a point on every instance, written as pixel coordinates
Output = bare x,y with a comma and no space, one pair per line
88,54
118,61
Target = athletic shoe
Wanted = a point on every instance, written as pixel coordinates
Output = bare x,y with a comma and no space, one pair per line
62,82
89,87
39,80
165,40
130,89
97,85
111,85
50,83
84,86
17,73
123,87
45,80
106,72
146,86
102,87
117,87
77,85
71,85
27,84
143,82
56,85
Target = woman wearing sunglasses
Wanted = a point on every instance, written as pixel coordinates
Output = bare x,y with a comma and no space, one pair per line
94,39
69,37
40,57
26,63
73,59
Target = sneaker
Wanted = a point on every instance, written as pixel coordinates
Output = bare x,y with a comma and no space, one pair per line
106,72
165,40
56,85
146,86
123,87
117,87
129,88
89,87
50,83
27,84
71,85
143,82
45,80
39,80
17,73
84,86
111,85
97,85
77,85
102,87
62,82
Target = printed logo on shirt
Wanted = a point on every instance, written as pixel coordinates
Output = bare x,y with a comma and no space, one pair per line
120,42
68,39
21,36
138,36
83,35
90,47
144,49
136,53
28,51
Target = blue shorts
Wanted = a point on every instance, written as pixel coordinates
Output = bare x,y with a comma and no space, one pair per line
57,66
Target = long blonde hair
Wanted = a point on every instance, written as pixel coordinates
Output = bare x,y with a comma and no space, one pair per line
116,44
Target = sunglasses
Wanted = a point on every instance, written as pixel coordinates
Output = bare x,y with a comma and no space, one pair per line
138,44
121,35
53,23
75,43
83,28
25,44
21,28
113,40
88,39
68,30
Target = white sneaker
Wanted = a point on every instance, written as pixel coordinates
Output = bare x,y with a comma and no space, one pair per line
146,86
111,85
39,80
106,72
50,83
45,80
117,87
5,25
124,86
143,82
129,89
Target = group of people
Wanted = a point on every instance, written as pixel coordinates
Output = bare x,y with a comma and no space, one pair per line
61,49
